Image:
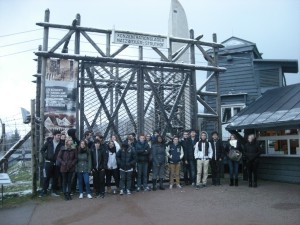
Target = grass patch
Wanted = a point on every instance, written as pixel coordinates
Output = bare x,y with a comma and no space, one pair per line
14,201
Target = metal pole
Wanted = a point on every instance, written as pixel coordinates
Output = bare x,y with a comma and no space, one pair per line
43,79
217,77
33,150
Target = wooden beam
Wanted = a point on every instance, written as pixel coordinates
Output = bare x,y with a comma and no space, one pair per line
128,61
181,52
65,38
119,50
93,43
204,103
162,55
205,55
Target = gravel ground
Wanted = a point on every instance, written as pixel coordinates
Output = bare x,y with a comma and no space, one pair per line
271,203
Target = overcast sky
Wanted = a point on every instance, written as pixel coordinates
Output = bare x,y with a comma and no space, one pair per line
274,25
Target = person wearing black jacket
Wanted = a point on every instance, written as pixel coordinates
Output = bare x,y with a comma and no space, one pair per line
217,158
50,151
126,161
252,151
99,164
189,161
159,161
142,150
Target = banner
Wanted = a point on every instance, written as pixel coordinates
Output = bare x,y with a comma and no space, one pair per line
140,39
61,95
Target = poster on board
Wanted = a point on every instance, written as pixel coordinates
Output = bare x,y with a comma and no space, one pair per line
61,95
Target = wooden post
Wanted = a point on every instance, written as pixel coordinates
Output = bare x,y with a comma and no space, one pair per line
217,77
33,150
193,87
3,137
43,79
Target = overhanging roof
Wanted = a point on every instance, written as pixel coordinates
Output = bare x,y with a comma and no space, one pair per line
276,108
288,66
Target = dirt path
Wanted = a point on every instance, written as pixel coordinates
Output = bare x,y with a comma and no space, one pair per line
271,203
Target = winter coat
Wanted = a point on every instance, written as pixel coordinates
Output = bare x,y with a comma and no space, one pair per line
174,153
188,149
102,158
142,151
200,153
218,150
158,154
48,151
84,163
228,147
67,157
126,159
252,151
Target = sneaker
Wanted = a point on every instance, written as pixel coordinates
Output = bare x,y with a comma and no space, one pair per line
147,189
171,186
193,184
121,192
89,196
81,196
204,185
197,187
42,194
128,192
138,189
179,186
53,194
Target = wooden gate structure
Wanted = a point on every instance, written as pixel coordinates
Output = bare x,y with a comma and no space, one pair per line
117,95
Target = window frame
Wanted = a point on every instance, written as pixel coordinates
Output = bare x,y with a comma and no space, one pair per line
231,106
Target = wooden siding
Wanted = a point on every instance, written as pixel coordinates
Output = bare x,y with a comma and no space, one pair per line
284,169
239,78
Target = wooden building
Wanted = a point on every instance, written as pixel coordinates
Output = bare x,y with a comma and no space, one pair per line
247,77
255,99
275,119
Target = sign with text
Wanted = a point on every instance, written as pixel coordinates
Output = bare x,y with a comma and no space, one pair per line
140,40
61,94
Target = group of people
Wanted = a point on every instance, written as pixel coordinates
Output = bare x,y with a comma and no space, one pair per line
130,162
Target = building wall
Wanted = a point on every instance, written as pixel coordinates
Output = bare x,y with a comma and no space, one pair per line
283,169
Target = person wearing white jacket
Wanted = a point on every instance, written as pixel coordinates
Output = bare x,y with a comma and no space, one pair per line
203,153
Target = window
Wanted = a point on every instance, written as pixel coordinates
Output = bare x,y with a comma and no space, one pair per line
228,111
280,142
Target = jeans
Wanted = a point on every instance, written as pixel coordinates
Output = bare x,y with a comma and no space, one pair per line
50,170
125,180
142,169
174,172
84,176
66,181
215,166
112,173
233,169
202,165
191,170
99,181
158,171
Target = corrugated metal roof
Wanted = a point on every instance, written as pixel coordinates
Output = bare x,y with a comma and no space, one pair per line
275,108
